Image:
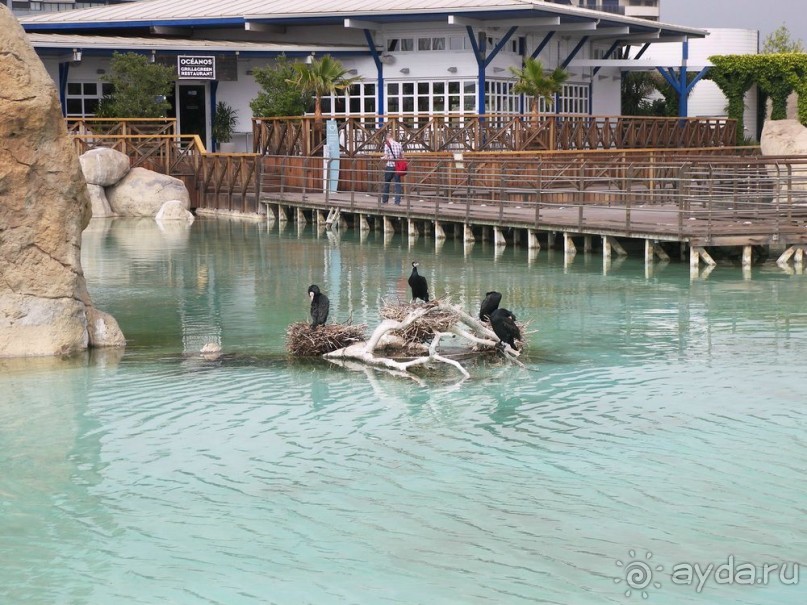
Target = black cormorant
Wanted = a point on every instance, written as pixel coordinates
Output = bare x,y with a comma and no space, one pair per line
320,305
489,305
504,325
418,284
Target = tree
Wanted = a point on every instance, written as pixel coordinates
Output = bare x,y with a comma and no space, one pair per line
278,96
779,41
636,87
533,82
139,88
734,75
321,77
224,122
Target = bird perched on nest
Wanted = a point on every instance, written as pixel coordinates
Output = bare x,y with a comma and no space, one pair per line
320,305
489,305
420,288
504,325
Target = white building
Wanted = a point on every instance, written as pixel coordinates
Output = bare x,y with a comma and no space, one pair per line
415,56
706,99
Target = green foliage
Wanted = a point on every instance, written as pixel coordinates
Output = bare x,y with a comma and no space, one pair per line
533,82
777,75
139,88
278,96
636,87
779,41
321,77
224,122
734,75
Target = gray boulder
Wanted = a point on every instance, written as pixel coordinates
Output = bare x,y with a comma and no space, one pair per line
143,192
174,210
98,202
783,137
103,166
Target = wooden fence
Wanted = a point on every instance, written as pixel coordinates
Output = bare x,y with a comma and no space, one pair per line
364,135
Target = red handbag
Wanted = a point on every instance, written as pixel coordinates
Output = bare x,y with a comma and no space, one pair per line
401,165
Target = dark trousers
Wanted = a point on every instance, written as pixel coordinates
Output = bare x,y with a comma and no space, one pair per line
390,175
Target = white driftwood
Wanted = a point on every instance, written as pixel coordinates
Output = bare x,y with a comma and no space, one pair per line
466,327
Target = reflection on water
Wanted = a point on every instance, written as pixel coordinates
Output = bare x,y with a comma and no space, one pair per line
657,413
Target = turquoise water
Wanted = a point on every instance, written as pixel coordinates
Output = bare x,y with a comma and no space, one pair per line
658,414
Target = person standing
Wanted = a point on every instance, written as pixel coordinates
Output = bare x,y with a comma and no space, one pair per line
393,150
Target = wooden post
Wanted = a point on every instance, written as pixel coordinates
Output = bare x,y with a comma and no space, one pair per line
660,252
568,245
747,255
653,249
439,233
363,224
785,256
468,234
694,258
609,244
699,253
412,228
587,247
498,238
389,227
532,241
300,216
282,215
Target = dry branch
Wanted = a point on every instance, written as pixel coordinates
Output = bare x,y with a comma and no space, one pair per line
304,341
413,325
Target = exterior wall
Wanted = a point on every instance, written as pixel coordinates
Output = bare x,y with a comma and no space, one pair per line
606,94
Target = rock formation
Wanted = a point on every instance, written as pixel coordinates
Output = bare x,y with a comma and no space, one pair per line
143,192
45,308
103,166
783,137
174,210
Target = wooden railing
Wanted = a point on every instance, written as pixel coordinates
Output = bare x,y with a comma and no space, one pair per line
702,197
492,133
169,154
121,127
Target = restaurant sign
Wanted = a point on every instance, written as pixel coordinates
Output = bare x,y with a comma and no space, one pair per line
196,67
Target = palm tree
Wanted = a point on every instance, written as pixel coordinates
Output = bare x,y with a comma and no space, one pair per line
533,82
321,77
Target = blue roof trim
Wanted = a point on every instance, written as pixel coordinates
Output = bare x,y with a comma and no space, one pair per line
133,24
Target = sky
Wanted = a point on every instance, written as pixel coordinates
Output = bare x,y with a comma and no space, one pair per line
763,15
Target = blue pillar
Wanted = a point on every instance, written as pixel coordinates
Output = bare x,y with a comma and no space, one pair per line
214,85
379,66
683,92
64,70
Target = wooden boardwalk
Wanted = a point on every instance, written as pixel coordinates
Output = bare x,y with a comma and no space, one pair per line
666,230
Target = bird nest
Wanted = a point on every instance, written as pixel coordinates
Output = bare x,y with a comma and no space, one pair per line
439,319
304,341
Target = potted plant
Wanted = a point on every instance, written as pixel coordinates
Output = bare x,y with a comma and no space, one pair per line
224,121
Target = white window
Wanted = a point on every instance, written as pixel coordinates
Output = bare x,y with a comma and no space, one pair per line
359,100
500,97
574,99
433,97
400,44
82,98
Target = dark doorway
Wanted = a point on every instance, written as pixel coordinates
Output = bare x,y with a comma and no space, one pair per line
192,110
